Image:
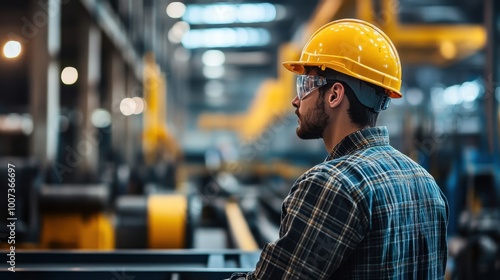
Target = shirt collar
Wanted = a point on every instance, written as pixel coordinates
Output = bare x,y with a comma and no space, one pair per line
361,139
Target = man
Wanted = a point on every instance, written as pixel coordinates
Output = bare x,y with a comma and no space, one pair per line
367,211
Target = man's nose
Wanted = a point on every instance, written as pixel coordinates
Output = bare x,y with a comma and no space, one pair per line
295,102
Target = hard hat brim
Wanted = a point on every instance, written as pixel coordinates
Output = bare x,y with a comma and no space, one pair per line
295,67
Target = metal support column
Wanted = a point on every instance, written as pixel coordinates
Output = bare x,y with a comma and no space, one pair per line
90,73
491,100
118,87
133,131
45,41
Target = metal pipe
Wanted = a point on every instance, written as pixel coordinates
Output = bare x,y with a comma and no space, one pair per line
238,227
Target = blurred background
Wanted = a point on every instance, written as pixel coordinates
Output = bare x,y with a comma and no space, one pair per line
155,124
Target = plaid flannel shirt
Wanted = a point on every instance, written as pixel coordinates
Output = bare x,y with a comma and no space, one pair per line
366,212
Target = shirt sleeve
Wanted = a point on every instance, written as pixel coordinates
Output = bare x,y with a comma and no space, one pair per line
321,226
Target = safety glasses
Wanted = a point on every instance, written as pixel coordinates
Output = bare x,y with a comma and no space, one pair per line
307,84
364,93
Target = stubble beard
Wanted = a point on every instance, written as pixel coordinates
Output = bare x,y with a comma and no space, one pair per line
313,123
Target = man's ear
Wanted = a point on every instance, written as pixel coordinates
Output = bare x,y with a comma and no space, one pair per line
335,95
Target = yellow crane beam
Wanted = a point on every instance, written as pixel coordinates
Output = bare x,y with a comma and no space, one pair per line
430,44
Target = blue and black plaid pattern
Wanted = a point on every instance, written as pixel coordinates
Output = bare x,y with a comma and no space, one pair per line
366,212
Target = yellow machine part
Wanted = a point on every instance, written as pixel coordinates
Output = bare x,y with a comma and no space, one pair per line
438,44
238,227
167,219
77,231
219,121
156,138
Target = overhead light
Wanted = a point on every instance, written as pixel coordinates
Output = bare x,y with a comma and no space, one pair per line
226,37
140,105
177,31
213,72
414,96
452,95
69,75
100,118
437,98
12,49
465,93
127,106
214,89
470,91
16,123
213,58
250,13
230,13
247,58
132,106
27,124
176,9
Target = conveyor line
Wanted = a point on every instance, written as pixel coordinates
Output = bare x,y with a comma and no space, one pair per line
130,264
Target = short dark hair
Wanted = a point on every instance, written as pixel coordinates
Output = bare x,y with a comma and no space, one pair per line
360,115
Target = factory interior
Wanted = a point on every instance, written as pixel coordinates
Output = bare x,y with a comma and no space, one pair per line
156,139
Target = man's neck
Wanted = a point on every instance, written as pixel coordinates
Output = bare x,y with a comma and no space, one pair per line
334,133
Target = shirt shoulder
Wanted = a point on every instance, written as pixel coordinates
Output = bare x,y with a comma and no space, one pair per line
330,174
360,172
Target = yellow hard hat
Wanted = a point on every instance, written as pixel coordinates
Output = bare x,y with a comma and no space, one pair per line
355,48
